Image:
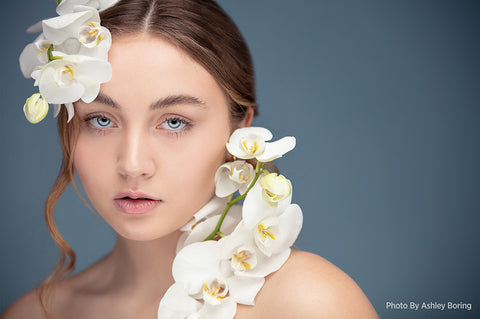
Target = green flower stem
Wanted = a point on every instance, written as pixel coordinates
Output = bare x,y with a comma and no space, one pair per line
230,203
51,57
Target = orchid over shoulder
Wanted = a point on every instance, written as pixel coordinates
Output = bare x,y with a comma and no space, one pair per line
227,249
68,60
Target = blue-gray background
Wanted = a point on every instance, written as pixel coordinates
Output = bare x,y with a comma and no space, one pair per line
383,97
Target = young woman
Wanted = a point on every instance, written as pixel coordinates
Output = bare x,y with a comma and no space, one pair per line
146,150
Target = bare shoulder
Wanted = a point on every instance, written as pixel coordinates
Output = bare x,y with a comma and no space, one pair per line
309,286
27,306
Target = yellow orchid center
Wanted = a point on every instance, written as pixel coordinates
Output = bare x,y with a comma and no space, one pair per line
90,34
65,76
240,172
241,258
249,147
264,232
43,47
215,292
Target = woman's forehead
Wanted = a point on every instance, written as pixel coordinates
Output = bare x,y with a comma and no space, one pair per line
149,67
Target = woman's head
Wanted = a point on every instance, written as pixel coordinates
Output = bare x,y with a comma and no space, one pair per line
152,41
201,32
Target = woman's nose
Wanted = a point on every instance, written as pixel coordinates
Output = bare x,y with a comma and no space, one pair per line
135,156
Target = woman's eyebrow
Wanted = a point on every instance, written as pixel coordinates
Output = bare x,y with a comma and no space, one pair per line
176,100
105,99
161,103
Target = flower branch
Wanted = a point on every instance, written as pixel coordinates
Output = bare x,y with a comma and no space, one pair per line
258,171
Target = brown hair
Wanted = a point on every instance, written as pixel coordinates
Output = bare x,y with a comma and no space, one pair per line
207,34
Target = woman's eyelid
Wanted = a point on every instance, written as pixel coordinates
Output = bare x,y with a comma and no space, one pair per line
98,115
174,117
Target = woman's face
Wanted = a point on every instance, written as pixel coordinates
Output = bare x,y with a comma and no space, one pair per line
150,144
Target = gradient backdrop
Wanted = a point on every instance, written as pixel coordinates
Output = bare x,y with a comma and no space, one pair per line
383,97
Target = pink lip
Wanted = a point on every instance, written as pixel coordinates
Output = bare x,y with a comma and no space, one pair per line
135,202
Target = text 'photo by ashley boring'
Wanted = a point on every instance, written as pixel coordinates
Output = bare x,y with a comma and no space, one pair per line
382,175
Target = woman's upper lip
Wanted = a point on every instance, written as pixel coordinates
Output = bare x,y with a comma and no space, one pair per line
135,195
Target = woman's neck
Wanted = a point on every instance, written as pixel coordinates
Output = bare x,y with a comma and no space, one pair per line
143,266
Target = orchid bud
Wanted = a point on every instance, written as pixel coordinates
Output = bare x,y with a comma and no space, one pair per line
35,108
275,188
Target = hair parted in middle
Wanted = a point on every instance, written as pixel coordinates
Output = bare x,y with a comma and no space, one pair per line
204,31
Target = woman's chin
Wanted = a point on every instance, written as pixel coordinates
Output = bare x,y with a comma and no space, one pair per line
144,232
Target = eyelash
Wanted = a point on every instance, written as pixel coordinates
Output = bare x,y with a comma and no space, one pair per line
186,124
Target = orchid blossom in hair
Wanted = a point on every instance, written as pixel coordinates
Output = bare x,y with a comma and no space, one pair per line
68,60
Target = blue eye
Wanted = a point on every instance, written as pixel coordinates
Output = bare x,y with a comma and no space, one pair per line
100,122
174,124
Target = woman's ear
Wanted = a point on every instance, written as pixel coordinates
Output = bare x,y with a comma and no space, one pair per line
247,120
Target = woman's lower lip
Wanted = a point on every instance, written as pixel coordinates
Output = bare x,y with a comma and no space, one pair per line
136,206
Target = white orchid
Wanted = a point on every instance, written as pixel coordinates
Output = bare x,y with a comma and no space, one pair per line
72,78
177,304
198,268
251,142
245,258
78,33
233,176
275,233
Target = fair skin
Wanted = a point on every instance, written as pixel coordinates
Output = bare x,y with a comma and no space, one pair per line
169,154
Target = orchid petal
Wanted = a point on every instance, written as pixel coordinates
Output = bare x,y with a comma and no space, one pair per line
69,6
56,109
176,303
33,56
290,224
70,111
277,149
52,92
36,28
266,233
224,186
195,264
243,290
58,29
225,310
215,205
